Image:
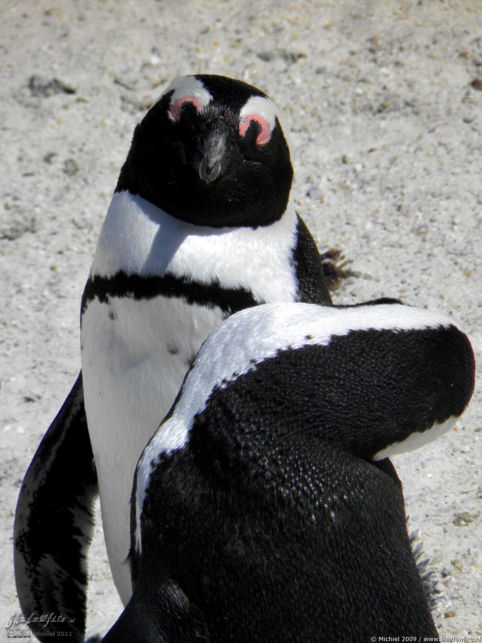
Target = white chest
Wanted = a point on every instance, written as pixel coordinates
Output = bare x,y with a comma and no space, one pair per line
136,352
134,357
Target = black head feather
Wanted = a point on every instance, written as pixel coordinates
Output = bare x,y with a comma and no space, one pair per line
200,167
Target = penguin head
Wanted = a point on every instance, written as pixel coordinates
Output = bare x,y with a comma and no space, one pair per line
211,152
376,379
369,381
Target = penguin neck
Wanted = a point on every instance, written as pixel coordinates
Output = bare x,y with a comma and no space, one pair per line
138,238
282,403
285,453
281,406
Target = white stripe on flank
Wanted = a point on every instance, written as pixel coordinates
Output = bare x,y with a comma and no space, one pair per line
416,439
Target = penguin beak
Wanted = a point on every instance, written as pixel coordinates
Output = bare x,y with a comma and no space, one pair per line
213,150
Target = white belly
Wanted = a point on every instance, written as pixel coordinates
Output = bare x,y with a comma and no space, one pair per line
136,353
134,357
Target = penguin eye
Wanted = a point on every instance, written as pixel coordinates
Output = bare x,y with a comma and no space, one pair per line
264,128
174,112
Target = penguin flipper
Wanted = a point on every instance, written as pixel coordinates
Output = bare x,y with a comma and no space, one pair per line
309,269
54,524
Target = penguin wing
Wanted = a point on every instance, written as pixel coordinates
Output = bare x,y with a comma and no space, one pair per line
312,287
54,523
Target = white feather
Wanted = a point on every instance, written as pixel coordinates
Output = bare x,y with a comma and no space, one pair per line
259,105
140,238
131,375
416,440
189,87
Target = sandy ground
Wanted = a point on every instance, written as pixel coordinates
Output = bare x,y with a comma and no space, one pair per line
382,104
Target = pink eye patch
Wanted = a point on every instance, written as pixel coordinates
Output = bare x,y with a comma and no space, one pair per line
265,130
175,108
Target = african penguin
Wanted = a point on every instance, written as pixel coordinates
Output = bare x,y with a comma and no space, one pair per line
200,226
265,508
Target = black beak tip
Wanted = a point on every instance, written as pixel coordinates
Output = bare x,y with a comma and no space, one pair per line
209,172
213,149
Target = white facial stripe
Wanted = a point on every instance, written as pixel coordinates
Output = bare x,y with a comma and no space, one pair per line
263,111
187,88
256,334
